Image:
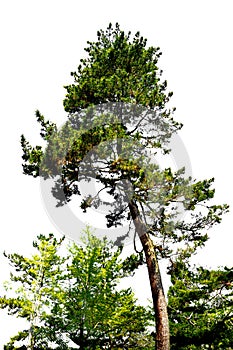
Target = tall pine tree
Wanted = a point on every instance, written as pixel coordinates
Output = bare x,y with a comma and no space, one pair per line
118,121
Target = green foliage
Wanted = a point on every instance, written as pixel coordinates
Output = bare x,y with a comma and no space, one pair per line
120,69
76,298
118,122
117,69
200,305
32,157
47,128
33,283
114,57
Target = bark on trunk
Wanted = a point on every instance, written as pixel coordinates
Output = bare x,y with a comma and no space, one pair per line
159,301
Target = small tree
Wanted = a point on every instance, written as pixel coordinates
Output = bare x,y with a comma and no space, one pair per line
75,299
107,318
33,282
113,143
200,308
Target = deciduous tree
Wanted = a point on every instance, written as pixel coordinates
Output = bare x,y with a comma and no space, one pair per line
75,300
31,286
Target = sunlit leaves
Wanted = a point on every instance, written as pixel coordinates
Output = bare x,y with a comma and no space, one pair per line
76,297
33,282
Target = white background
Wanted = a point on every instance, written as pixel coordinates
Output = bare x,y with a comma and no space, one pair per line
42,42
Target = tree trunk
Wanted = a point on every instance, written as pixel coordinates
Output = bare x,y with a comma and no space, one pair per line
31,338
159,301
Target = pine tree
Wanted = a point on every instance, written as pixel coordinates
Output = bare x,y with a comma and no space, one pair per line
117,122
200,307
